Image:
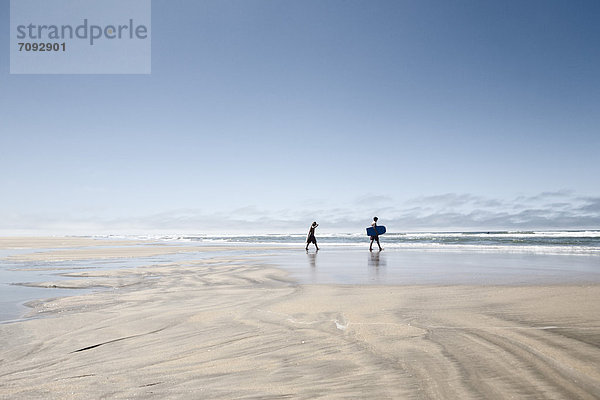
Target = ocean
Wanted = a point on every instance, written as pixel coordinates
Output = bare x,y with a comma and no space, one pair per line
548,242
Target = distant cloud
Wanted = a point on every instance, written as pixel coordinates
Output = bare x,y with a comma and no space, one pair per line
465,211
449,211
544,197
455,200
446,199
373,199
591,206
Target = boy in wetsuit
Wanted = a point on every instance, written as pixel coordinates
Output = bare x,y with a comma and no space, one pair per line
311,236
376,237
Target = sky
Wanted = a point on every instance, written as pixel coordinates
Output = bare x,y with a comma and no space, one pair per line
260,116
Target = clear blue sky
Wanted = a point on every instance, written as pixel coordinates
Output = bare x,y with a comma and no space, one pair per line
265,115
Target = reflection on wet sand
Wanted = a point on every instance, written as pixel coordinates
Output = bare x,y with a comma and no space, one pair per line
312,259
376,259
376,265
349,266
312,262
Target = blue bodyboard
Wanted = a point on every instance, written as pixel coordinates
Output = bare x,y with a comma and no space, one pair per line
380,230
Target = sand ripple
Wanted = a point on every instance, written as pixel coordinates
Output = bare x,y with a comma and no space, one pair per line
226,328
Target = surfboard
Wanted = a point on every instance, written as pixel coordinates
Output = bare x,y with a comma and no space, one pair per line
380,230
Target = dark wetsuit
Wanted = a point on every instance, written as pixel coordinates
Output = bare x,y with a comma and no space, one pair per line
311,236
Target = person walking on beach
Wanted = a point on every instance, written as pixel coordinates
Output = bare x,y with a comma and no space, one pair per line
311,235
376,237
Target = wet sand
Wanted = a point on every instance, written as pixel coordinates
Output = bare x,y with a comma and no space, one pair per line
235,327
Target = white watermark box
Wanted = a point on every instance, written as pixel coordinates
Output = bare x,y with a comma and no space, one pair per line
80,36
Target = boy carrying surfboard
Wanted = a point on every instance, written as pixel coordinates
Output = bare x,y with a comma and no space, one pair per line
376,236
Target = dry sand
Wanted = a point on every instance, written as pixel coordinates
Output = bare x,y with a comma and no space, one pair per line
80,248
58,242
229,328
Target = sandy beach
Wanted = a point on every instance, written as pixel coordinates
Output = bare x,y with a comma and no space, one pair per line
228,327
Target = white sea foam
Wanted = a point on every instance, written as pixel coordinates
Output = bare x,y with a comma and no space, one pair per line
493,234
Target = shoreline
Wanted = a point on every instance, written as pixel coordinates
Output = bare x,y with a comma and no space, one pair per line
240,327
